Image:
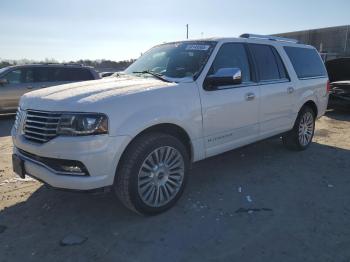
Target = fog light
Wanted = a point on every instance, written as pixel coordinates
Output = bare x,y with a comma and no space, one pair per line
73,169
60,166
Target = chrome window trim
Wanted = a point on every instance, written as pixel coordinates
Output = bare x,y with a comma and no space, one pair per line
235,86
262,83
277,81
312,77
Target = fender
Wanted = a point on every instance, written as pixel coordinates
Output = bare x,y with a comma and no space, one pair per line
140,121
307,95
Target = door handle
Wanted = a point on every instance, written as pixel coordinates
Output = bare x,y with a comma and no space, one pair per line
29,87
290,90
43,86
249,96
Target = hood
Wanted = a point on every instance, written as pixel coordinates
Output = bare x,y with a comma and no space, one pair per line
78,96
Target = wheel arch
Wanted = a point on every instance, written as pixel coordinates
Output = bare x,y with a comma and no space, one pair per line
171,129
312,105
165,128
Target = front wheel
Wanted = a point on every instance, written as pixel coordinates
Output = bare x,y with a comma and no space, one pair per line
300,137
152,174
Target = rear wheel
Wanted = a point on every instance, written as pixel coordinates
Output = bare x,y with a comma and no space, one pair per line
152,174
300,137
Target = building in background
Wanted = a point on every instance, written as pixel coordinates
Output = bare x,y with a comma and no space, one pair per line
331,42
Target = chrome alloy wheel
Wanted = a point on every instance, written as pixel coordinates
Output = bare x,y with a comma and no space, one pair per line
306,128
161,176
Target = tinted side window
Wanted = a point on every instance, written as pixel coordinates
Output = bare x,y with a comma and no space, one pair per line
79,74
266,62
28,75
56,74
19,76
70,74
41,74
14,77
232,55
306,62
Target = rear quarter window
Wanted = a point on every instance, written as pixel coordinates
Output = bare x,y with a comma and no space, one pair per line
80,74
306,62
71,74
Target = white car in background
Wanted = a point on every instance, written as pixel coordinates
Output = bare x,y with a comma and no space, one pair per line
179,103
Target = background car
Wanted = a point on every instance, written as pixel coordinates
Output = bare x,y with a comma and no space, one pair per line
339,76
17,80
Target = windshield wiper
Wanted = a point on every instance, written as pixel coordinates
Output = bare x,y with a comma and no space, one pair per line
156,75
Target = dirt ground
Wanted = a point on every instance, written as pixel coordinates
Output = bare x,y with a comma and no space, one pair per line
258,203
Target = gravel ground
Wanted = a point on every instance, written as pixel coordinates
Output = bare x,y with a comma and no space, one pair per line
258,203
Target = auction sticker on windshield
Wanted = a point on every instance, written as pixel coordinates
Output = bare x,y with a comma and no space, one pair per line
198,47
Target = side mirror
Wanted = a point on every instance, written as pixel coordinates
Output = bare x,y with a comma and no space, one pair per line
223,77
3,81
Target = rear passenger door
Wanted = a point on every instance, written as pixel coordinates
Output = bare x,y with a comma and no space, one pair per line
41,77
276,90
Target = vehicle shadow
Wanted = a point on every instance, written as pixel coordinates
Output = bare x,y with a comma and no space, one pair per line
341,115
6,123
292,186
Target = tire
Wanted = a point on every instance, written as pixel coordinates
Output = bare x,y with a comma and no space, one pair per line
305,124
138,177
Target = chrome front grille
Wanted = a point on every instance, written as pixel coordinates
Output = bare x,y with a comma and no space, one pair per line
41,126
19,118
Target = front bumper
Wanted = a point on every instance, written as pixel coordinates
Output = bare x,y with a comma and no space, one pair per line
99,155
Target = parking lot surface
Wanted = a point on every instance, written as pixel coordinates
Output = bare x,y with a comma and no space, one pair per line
257,203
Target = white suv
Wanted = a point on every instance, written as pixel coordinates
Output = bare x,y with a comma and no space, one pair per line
140,130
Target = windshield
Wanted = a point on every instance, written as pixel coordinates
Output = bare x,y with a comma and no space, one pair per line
174,61
2,70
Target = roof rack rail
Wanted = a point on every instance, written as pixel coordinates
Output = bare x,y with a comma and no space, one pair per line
66,64
73,64
271,38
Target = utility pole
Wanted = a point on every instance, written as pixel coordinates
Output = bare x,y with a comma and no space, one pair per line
186,31
346,39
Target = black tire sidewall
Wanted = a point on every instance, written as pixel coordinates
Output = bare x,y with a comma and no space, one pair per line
163,140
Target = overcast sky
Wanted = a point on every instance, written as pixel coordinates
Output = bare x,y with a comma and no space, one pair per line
118,30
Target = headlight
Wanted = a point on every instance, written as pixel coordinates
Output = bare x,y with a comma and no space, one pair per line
82,124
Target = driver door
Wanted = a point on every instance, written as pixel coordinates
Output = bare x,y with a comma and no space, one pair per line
230,112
